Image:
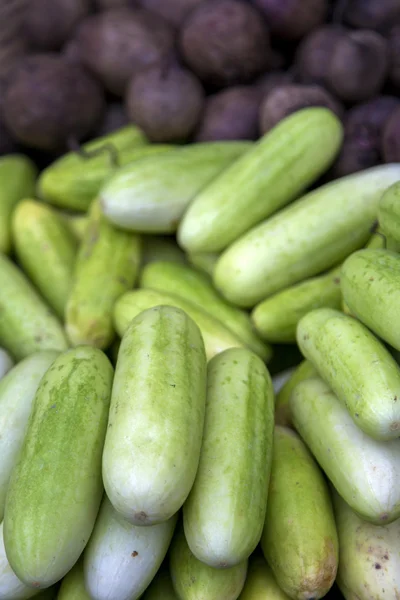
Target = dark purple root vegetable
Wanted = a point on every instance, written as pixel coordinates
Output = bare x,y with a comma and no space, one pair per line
391,138
313,55
269,81
394,55
225,42
371,14
173,11
293,19
114,118
71,52
106,4
12,41
7,142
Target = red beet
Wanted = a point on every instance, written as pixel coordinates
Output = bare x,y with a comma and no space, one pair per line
371,14
394,55
292,19
391,138
173,11
313,55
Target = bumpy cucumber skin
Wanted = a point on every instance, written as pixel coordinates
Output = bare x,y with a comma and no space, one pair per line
46,250
161,247
155,428
11,588
194,580
73,584
196,287
283,163
313,234
6,362
121,559
371,289
225,511
215,335
204,261
357,367
389,212
161,587
106,266
56,486
151,195
299,539
305,370
26,323
366,473
261,583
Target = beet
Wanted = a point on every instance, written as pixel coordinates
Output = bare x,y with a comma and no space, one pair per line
391,138
173,11
106,4
293,19
225,42
7,142
371,14
269,81
313,55
394,55
114,118
12,41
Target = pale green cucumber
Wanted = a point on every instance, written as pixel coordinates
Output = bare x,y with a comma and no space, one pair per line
76,222
73,584
299,540
377,240
281,378
26,323
371,289
161,247
276,318
196,287
205,261
261,583
194,580
366,473
155,428
121,559
11,588
358,368
305,370
151,195
17,181
161,587
311,235
389,212
106,266
6,362
224,514
215,335
56,486
46,250
369,566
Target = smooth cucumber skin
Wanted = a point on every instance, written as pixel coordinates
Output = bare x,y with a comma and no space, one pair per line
261,583
121,559
26,323
305,370
106,266
312,234
224,514
46,250
204,261
358,368
11,588
161,587
389,212
194,580
196,287
6,362
56,486
161,247
151,195
215,335
281,165
366,473
371,289
17,393
76,222
155,428
73,585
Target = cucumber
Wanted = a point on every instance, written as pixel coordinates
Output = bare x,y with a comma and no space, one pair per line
161,587
261,583
311,235
6,362
371,289
196,287
377,240
26,323
304,370
161,247
106,266
276,318
194,580
389,212
56,487
204,261
121,559
155,428
46,250
11,588
366,473
215,335
73,584
224,514
151,195
299,540
76,222
281,378
358,368
281,165
17,180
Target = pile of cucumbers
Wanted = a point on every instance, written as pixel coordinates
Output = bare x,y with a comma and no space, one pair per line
145,449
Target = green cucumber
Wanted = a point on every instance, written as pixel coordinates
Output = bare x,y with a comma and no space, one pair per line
215,335
46,250
224,514
377,240
261,583
204,261
299,540
11,588
121,559
6,362
305,370
56,486
194,580
311,235
155,428
106,266
76,222
151,195
73,584
161,587
161,247
358,368
389,212
26,323
366,473
196,287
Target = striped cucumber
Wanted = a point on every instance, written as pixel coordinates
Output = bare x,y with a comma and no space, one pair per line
261,583
305,370
56,486
224,514
215,335
366,473
6,362
151,195
121,559
155,428
11,588
161,587
311,235
358,368
161,247
204,261
73,584
26,323
389,212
